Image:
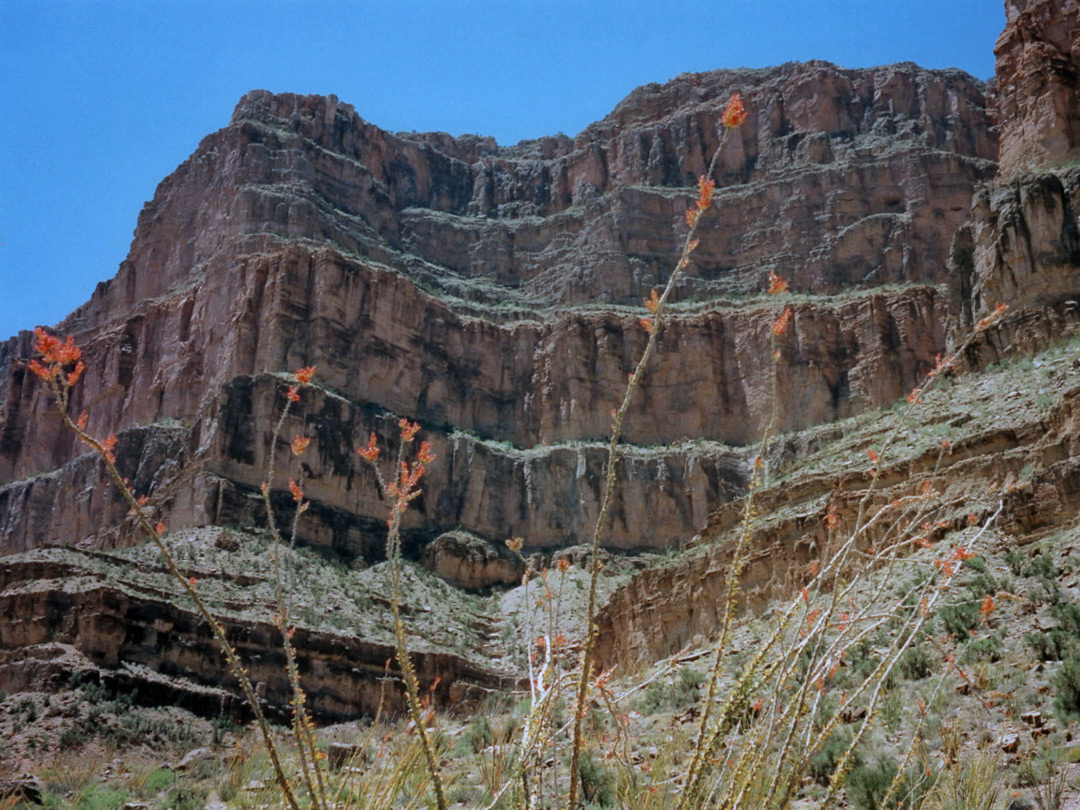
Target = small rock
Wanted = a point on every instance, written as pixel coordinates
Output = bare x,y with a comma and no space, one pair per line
338,755
853,715
26,789
192,757
1032,719
226,542
1009,743
467,561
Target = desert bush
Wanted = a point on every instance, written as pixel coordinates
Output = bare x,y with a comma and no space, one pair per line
159,780
597,781
1049,779
1067,615
683,691
477,736
1066,684
972,784
823,763
916,664
99,797
983,649
871,783
1050,645
959,620
1015,560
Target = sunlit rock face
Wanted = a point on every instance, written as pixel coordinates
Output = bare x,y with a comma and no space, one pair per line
492,294
1037,108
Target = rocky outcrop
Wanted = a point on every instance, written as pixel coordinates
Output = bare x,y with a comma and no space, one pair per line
1038,76
1021,249
112,620
466,561
1028,463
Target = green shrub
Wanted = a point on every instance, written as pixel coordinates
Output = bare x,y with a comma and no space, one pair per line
860,662
477,736
868,784
1052,645
597,782
1067,615
916,663
99,797
684,691
1015,560
681,693
187,798
981,585
823,763
976,563
985,649
1041,566
959,620
1067,684
159,780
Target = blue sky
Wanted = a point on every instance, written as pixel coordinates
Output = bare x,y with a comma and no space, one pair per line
103,98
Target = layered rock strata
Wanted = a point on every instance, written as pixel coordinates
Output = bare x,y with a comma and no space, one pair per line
1038,72
47,600
492,294
1021,249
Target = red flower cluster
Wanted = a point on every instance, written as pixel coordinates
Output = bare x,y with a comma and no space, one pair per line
303,377
408,429
734,113
780,325
777,285
58,355
370,454
424,454
706,187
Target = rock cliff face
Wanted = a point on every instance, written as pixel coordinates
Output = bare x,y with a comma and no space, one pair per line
1038,72
113,622
474,288
493,294
1021,248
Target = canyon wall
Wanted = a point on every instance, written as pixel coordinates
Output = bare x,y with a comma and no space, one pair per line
492,294
1021,248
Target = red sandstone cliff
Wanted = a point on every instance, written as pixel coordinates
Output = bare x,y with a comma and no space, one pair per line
1038,71
1021,248
480,289
492,294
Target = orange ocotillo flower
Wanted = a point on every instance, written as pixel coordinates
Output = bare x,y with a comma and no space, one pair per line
57,355
777,284
734,113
